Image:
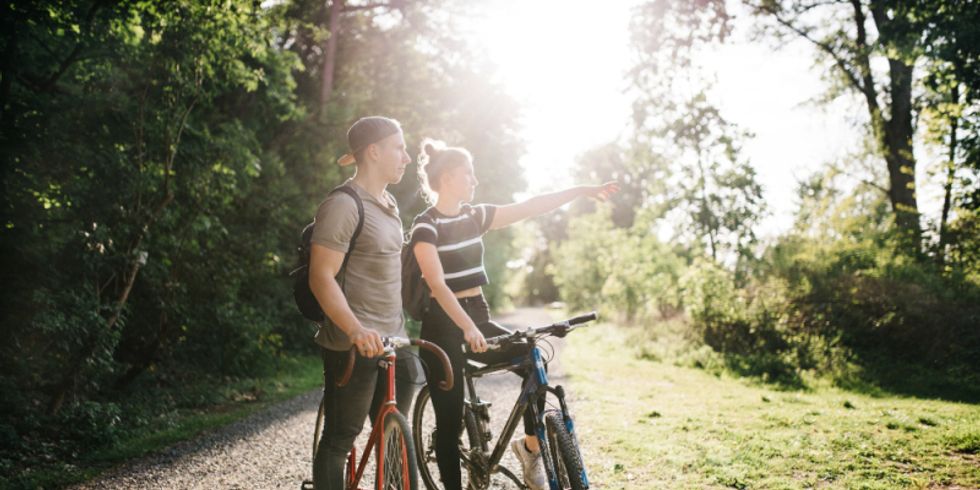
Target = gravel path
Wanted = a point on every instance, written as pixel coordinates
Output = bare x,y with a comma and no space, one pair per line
271,449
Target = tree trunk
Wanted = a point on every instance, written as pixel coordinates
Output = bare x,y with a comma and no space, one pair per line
950,171
706,214
893,134
7,64
899,156
330,52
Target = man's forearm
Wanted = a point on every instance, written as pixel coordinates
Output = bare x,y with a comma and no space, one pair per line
331,298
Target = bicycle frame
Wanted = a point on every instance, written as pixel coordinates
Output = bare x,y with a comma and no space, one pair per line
534,388
377,432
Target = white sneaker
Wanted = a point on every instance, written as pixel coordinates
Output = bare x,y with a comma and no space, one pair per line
532,465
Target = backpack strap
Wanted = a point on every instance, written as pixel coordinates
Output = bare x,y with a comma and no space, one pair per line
346,189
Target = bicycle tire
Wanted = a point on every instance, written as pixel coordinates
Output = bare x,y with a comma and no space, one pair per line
317,429
424,450
565,454
397,470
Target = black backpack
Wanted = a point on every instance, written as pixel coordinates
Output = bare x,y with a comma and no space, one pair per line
415,291
305,300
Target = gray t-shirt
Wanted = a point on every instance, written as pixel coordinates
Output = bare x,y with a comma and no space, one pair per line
372,281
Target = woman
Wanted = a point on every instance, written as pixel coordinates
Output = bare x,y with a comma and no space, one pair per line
447,241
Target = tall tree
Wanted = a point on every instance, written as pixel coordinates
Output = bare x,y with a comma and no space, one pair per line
951,106
856,37
334,28
158,160
698,178
126,124
873,46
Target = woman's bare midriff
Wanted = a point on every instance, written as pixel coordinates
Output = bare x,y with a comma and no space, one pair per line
468,293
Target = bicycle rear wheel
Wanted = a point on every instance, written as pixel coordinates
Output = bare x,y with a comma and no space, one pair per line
397,468
564,452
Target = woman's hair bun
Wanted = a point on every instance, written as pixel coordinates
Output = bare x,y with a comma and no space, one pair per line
435,159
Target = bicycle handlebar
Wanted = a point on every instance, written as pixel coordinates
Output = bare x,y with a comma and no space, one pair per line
563,327
588,317
392,343
447,383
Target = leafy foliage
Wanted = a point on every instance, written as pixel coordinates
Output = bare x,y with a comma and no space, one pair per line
842,294
159,160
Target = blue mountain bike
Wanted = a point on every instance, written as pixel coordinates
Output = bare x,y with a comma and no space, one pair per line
554,427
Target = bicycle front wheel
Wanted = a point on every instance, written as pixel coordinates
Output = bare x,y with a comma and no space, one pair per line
397,468
564,452
424,436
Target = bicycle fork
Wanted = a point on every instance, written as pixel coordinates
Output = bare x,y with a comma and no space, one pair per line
559,393
570,427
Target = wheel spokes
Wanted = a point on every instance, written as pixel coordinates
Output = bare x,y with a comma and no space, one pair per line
396,461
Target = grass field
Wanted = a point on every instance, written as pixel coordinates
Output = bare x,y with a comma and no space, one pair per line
653,424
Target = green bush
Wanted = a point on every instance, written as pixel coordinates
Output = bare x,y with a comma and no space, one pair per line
89,423
628,273
875,299
854,308
749,326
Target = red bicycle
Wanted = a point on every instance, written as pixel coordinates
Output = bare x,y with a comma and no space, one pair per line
394,450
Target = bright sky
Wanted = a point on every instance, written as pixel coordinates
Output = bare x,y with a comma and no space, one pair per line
569,69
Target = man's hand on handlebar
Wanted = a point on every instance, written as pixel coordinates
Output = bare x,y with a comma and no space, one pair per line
368,342
392,343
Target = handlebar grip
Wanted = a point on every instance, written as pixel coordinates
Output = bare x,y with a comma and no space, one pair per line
348,369
446,384
492,344
496,340
588,317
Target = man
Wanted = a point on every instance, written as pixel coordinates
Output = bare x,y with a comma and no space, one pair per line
365,304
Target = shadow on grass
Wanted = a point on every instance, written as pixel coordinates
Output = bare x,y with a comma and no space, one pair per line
877,376
872,373
769,369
